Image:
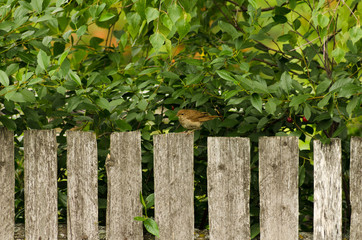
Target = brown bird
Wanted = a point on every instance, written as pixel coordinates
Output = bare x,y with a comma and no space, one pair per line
193,119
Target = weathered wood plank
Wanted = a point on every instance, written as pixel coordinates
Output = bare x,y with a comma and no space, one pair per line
327,190
124,178
7,183
174,185
278,186
356,189
41,195
228,184
82,165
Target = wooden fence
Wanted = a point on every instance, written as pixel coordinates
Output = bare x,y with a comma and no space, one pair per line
228,176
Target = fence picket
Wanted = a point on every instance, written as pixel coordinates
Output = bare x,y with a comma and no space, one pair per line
228,185
41,195
7,183
124,179
327,190
174,185
82,166
356,189
278,186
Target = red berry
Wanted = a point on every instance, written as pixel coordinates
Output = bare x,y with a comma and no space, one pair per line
173,108
289,119
305,119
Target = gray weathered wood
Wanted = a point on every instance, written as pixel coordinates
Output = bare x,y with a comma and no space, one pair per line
41,195
356,189
174,185
278,186
228,184
327,190
124,179
82,165
7,183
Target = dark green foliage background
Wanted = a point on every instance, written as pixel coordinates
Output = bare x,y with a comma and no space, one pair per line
261,67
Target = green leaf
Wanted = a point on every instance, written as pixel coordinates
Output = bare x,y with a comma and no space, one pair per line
271,107
142,105
150,201
296,24
262,123
322,20
123,125
28,95
174,12
166,21
253,4
230,29
297,100
63,56
281,10
225,75
75,78
284,38
43,60
257,102
37,5
324,101
352,105
170,75
106,16
286,82
157,40
338,54
4,79
280,19
103,103
151,14
8,123
183,27
254,230
355,33
81,30
151,226
323,86
141,219
15,96
339,130
307,111
142,200
340,83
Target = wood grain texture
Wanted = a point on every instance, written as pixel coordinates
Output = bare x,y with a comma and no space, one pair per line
278,186
7,184
327,190
41,195
124,179
228,184
174,185
82,166
356,188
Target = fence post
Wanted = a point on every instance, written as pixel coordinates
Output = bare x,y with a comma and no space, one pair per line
356,189
228,184
82,166
7,183
41,195
124,179
327,190
174,185
278,186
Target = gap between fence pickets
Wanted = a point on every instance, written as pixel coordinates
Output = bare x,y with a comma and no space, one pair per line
40,145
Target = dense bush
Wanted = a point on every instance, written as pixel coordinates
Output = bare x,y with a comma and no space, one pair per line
268,68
